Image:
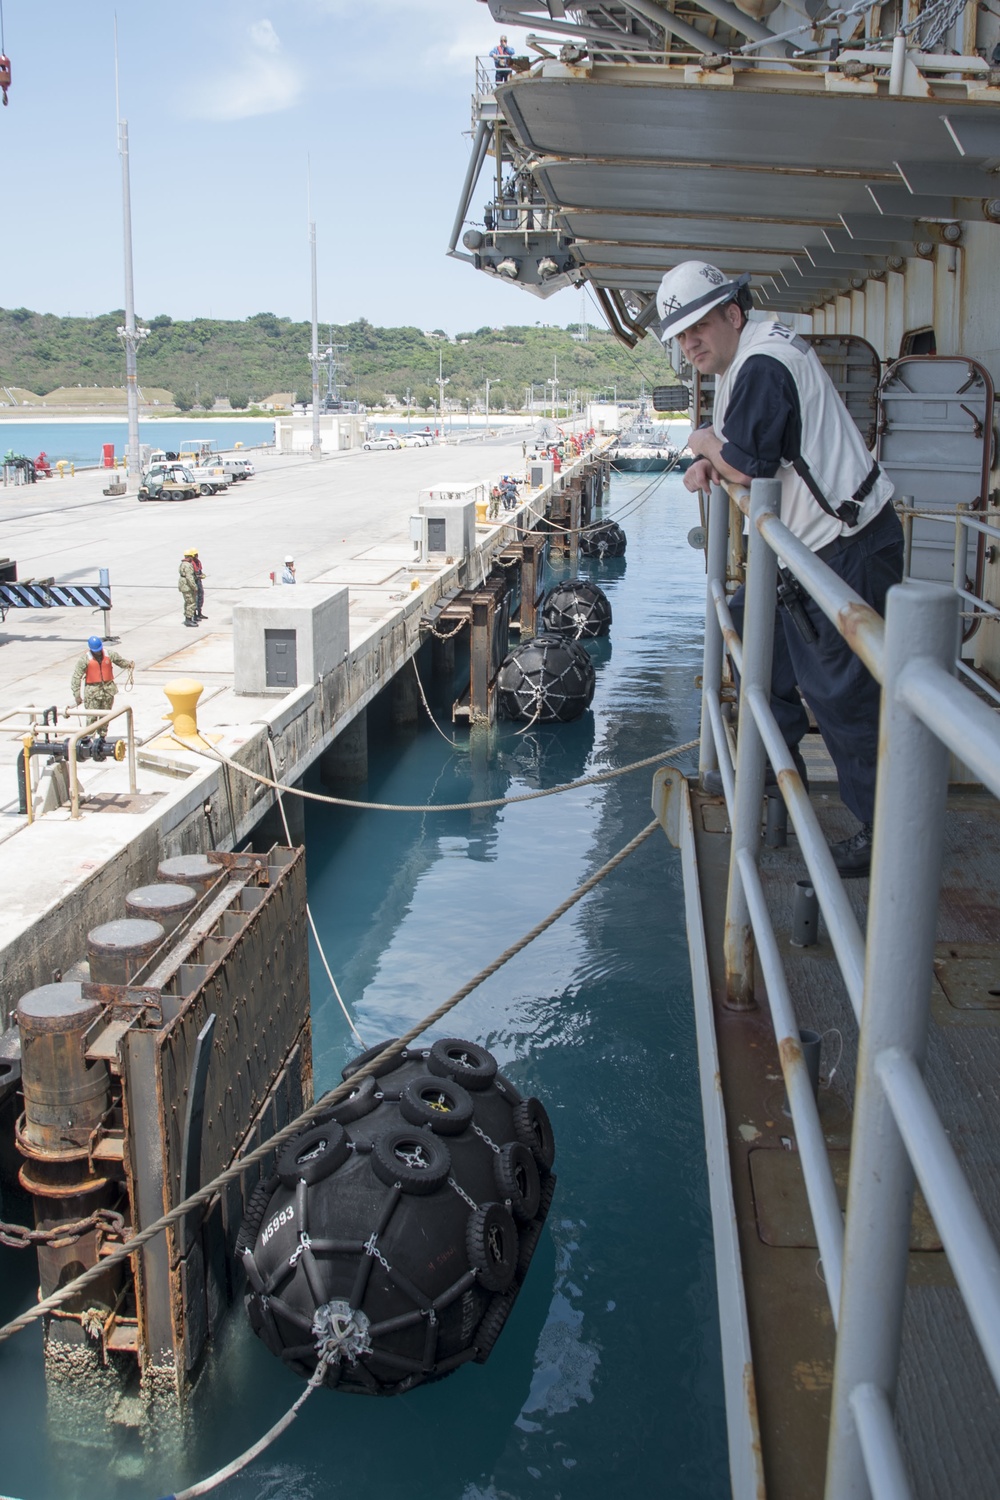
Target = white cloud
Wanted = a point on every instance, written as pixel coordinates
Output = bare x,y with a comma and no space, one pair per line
439,35
257,80
458,49
264,36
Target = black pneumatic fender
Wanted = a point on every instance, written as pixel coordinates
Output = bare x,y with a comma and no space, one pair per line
606,540
547,680
399,1225
577,608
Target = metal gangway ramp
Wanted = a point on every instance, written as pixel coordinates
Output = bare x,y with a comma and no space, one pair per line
861,1351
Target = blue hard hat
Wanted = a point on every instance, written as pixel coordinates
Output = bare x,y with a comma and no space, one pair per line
96,644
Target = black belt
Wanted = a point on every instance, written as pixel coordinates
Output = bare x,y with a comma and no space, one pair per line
848,510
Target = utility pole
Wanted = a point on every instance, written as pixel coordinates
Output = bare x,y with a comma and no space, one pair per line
130,335
489,381
316,448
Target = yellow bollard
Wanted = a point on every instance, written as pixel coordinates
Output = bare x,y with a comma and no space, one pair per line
61,466
184,693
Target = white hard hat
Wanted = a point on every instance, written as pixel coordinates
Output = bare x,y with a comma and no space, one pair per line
692,289
289,559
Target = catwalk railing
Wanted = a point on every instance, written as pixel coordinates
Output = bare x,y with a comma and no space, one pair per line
897,1131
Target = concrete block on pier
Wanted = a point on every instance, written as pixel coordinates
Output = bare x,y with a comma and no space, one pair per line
286,637
449,526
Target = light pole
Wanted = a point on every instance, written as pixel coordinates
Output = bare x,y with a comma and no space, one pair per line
408,408
489,381
130,334
315,448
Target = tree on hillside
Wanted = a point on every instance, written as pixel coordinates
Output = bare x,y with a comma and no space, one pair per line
183,401
239,400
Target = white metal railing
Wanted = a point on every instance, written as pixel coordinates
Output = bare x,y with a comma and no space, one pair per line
964,520
897,1131
895,54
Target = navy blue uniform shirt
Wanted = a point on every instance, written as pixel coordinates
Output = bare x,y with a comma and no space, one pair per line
763,422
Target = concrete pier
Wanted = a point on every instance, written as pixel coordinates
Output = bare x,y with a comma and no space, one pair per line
405,704
347,521
347,758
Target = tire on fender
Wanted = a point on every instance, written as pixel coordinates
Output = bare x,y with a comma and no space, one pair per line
313,1156
533,1129
436,1102
418,1161
492,1245
365,1057
516,1175
463,1062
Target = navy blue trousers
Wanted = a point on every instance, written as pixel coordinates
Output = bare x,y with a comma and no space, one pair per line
835,683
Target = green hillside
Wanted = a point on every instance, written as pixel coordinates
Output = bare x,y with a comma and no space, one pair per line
247,361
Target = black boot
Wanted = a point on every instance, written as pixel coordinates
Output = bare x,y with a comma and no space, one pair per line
853,856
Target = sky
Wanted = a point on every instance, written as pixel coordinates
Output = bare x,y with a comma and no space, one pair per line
240,116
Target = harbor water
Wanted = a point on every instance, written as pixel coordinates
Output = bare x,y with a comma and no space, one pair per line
81,442
608,1374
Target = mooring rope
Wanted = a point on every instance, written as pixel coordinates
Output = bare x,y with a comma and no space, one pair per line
233,1173
210,753
204,1486
630,506
309,915
423,698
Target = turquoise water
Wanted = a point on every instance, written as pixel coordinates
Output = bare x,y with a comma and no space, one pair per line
607,1377
82,442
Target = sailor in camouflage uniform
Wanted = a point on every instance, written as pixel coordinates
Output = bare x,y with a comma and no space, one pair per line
94,673
188,585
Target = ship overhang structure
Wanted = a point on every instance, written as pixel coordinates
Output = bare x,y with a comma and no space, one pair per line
814,173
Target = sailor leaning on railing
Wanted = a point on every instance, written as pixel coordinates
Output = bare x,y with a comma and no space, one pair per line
778,415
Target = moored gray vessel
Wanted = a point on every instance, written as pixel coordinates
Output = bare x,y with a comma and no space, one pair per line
845,161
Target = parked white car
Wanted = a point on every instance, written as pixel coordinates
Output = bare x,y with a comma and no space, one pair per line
418,440
211,478
381,442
